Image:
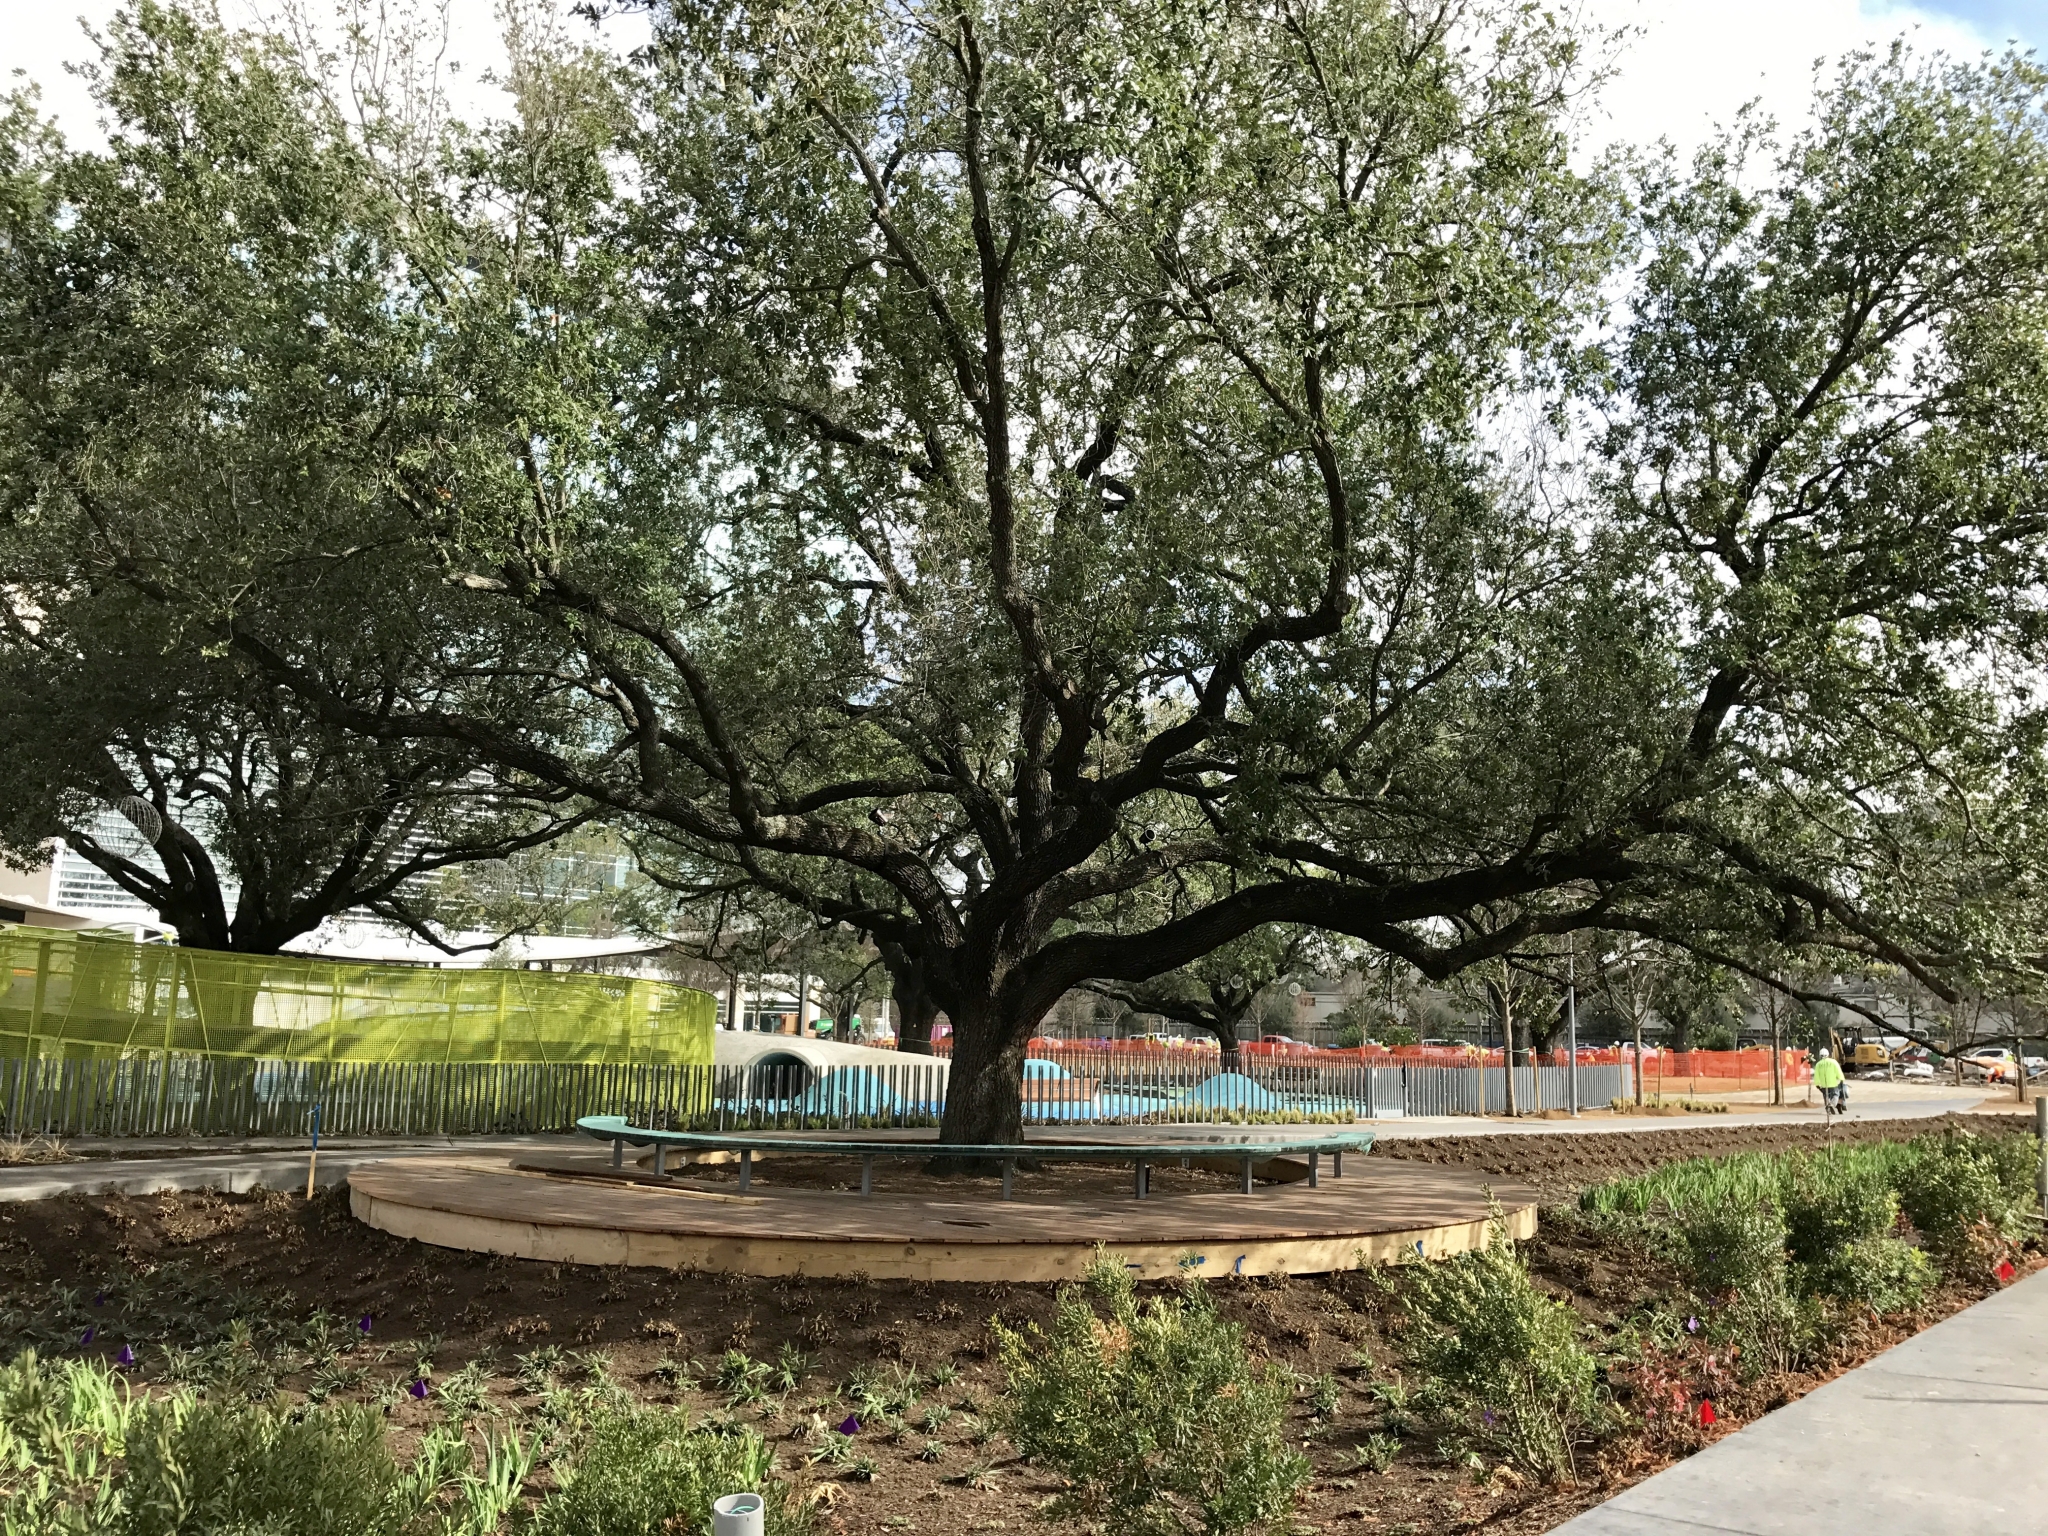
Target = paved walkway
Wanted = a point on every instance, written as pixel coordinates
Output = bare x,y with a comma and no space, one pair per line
143,1167
1473,1125
245,1169
1943,1435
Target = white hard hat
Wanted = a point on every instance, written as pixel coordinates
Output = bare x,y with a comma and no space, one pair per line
1823,1053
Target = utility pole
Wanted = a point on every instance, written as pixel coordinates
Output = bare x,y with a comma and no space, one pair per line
1571,1025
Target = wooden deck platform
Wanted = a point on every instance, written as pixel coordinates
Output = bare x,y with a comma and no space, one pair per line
1378,1211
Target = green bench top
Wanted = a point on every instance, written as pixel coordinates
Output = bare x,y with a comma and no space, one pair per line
616,1128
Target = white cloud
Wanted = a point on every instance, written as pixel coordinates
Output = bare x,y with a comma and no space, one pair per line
1693,64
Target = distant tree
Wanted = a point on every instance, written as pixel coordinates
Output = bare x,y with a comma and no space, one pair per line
1698,1000
1215,994
258,820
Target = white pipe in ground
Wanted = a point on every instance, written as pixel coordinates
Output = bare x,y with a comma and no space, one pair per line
737,1514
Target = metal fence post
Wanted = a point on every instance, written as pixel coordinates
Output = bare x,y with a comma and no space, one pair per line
2041,1138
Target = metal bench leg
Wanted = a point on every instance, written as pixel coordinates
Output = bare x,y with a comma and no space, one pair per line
660,1161
867,1176
1009,1175
618,1151
1337,1164
1247,1176
1314,1159
1138,1182
746,1169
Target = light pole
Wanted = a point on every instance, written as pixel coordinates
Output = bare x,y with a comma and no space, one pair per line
1571,1026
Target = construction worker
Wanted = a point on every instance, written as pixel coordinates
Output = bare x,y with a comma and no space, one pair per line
1827,1077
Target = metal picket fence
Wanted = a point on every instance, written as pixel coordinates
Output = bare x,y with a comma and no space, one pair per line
1483,1090
197,1096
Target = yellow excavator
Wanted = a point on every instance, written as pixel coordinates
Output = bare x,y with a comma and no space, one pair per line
1858,1052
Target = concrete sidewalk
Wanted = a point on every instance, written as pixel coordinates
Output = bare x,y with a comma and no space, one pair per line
235,1172
1943,1435
1592,1125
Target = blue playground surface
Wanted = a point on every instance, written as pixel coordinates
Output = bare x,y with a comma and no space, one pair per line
862,1092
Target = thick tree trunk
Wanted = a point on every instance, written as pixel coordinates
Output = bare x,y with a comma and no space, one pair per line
1225,1031
916,1009
985,1085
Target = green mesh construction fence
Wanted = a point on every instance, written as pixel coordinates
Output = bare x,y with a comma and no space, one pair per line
71,995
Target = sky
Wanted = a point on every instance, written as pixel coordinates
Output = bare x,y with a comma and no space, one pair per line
1688,64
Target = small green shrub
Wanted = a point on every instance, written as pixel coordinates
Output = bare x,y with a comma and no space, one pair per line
1736,1246
1735,1256
60,1428
1965,1190
1506,1371
1376,1453
1155,1414
196,1468
645,1472
1881,1273
1829,1205
1396,1410
1771,1327
1324,1396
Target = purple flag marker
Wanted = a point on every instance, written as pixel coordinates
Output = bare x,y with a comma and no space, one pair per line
849,1425
364,1326
418,1390
126,1357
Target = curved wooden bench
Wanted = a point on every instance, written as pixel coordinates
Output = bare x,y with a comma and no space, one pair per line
621,1134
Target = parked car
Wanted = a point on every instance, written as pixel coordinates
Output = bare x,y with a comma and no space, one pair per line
1994,1064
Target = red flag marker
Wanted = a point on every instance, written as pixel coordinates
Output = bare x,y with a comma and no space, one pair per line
2005,1271
1707,1414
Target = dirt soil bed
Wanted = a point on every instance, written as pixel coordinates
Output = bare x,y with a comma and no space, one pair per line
249,1294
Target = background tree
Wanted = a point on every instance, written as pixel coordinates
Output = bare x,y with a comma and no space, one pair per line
1216,993
1695,998
1508,988
259,820
1629,977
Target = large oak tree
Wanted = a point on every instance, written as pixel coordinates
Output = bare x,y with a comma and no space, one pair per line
980,471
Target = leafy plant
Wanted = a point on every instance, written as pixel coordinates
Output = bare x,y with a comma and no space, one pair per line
538,1369
1732,1247
1154,1413
1968,1192
1504,1366
201,1467
1395,1407
60,1429
647,1473
1829,1204
1735,1255
1881,1273
792,1365
464,1393
1376,1452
